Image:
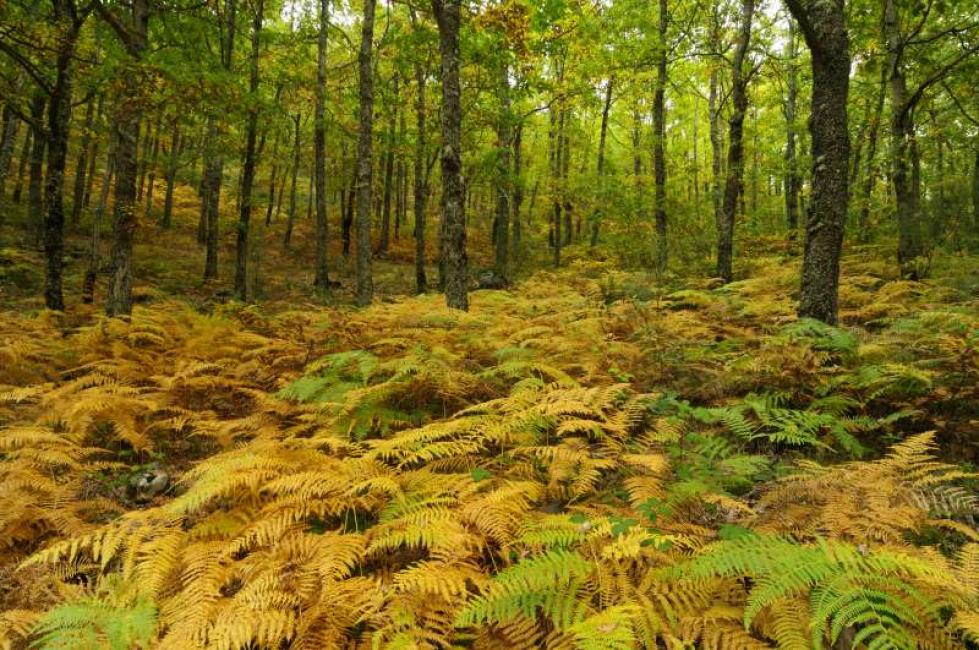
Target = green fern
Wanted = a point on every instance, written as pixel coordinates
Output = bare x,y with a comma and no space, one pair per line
94,624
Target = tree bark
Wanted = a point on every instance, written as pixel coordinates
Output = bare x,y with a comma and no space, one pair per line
173,158
92,272
793,181
454,257
518,187
248,172
321,276
823,25
734,183
11,125
365,158
152,173
126,124
716,148
870,178
420,189
25,157
291,218
388,161
81,165
92,158
602,185
35,182
659,141
501,261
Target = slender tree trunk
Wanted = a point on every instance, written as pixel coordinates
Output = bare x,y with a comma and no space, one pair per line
92,157
565,168
273,178
502,178
793,182
734,183
348,214
602,184
154,155
25,157
92,272
518,186
870,179
365,158
322,276
145,147
388,161
291,218
824,27
557,126
248,172
447,14
173,158
35,183
11,125
81,166
716,148
420,189
659,141
126,125
211,201
401,182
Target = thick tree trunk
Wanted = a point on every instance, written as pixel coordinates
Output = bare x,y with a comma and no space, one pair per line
659,141
501,179
321,275
248,172
59,113
81,165
420,189
602,185
454,258
173,158
734,183
824,27
291,218
793,181
365,158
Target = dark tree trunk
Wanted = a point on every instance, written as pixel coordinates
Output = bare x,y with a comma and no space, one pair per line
388,161
824,26
659,141
734,183
154,155
420,189
716,148
291,218
26,153
11,125
321,276
975,195
126,125
401,177
793,181
501,235
68,22
517,192
248,172
365,158
173,158
92,158
602,185
35,183
149,140
870,178
92,272
81,165
454,258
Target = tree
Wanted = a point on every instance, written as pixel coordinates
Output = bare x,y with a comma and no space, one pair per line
453,231
823,25
659,139
322,275
365,158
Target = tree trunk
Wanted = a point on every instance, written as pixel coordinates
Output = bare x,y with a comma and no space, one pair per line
92,158
602,185
26,154
291,218
401,178
716,147
447,14
152,174
35,184
81,165
501,238
173,159
659,141
129,109
824,26
734,183
793,182
975,194
92,272
248,172
420,189
518,186
365,158
557,127
388,161
211,201
863,234
11,125
565,168
321,276
68,24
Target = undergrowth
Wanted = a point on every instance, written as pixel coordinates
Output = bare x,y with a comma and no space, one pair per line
575,464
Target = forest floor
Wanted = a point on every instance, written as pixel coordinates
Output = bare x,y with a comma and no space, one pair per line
587,417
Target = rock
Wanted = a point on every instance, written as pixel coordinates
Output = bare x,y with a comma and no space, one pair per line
150,484
490,279
714,283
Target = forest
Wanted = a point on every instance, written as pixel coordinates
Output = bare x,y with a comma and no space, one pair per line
490,324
